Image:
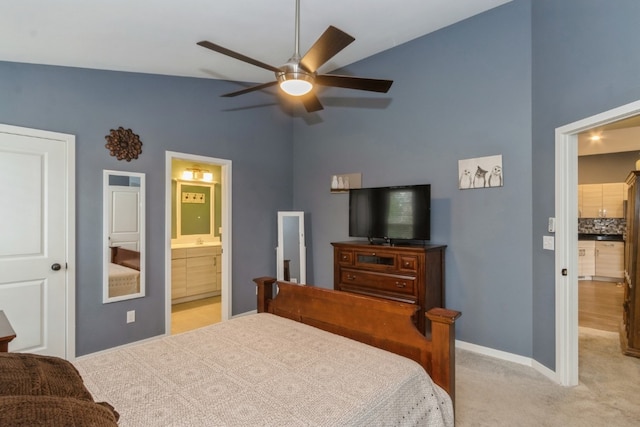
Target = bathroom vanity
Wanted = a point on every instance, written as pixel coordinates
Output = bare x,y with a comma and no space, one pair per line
196,272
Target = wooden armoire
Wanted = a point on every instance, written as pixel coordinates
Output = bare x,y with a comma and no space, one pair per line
630,330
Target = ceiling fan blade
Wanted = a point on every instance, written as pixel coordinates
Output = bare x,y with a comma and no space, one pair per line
311,103
236,55
349,82
249,89
326,47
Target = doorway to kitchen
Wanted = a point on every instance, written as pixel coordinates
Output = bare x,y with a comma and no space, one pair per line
197,241
566,257
606,155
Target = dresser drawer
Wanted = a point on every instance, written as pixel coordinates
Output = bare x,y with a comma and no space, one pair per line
375,260
378,282
345,257
408,263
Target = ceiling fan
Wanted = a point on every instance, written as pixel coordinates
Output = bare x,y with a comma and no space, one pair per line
298,77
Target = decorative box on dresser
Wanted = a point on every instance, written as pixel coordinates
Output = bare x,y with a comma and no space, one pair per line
630,330
413,274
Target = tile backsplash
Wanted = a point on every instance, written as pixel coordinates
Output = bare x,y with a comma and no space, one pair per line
602,225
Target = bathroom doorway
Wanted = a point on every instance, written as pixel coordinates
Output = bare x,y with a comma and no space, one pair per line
198,241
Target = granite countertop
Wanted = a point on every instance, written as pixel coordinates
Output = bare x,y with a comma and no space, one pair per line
605,237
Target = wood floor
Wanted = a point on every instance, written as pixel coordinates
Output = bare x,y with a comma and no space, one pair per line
600,305
195,314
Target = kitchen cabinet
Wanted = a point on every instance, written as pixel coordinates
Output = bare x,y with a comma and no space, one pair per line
410,274
609,260
601,259
586,258
195,273
601,200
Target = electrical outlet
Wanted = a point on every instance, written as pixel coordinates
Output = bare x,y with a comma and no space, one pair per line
547,243
131,316
293,280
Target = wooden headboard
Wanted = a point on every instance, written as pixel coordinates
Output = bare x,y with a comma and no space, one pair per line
125,257
378,322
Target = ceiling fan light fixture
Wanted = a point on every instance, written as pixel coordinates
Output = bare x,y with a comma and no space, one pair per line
295,83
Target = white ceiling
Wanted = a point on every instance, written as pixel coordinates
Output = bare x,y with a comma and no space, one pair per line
616,137
159,36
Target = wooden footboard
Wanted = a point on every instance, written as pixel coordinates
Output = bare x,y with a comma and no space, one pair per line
125,257
382,323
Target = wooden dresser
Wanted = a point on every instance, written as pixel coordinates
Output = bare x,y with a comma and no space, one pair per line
630,330
413,274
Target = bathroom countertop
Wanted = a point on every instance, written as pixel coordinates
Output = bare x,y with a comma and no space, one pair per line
194,245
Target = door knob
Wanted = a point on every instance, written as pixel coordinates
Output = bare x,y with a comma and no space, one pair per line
56,266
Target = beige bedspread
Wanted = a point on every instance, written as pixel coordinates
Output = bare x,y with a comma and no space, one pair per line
263,370
123,280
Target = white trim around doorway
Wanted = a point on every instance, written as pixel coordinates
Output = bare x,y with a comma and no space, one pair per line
226,291
566,212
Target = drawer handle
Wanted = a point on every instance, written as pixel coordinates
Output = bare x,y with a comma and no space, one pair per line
401,285
344,257
407,264
350,277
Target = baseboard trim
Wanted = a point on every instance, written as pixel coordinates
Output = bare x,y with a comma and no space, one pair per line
509,357
131,344
498,354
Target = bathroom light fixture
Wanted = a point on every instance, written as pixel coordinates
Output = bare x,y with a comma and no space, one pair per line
195,174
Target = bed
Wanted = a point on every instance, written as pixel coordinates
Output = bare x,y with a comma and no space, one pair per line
124,272
295,362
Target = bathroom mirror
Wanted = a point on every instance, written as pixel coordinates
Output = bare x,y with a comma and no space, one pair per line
291,253
123,235
195,213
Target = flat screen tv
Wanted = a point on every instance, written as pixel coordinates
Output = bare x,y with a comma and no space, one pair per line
391,213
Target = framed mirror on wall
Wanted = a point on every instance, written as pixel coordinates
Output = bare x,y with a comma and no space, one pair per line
123,235
291,253
195,213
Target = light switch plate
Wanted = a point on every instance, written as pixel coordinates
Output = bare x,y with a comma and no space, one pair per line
552,225
548,243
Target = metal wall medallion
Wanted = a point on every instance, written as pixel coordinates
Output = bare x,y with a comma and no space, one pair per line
123,144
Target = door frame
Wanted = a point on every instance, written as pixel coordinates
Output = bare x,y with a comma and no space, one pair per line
69,142
226,208
566,257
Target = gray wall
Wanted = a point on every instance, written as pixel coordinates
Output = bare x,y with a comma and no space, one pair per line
176,114
585,62
602,168
462,92
497,83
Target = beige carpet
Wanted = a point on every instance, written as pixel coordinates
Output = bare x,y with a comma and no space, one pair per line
491,392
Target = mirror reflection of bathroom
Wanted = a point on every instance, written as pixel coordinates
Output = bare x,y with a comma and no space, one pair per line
196,249
291,251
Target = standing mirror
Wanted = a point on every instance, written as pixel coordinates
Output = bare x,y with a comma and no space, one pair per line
123,235
291,254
